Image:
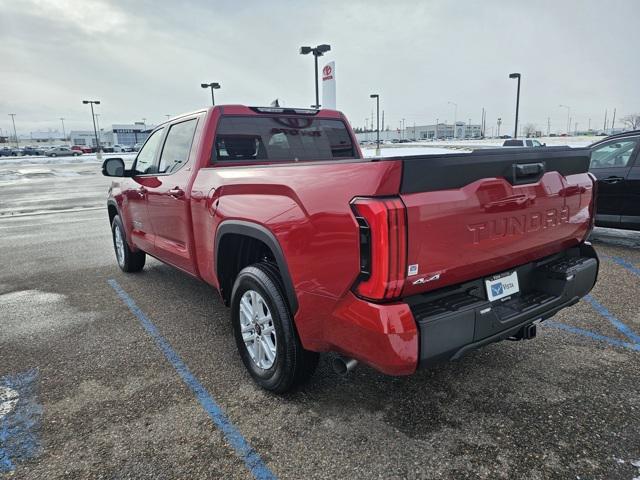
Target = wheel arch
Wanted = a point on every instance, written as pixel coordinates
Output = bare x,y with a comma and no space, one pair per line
112,209
260,234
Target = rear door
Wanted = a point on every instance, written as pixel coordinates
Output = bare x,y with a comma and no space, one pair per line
168,197
136,214
611,164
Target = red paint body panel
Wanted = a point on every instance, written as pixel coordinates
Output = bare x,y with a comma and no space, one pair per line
306,206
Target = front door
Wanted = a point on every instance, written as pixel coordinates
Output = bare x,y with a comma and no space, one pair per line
168,199
610,163
138,224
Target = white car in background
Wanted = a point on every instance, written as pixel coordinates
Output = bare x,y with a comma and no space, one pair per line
122,148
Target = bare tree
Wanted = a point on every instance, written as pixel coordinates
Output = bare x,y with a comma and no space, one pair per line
632,121
529,130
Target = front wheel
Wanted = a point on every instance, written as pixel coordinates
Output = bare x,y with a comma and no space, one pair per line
128,260
265,334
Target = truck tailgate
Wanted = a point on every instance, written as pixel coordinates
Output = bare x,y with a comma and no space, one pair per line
476,214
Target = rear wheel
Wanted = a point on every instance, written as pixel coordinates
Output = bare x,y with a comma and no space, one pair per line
128,260
265,334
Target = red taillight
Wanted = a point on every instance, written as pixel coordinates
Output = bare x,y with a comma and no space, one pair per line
383,247
593,205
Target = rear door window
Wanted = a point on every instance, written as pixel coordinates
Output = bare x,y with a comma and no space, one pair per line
280,138
177,146
613,154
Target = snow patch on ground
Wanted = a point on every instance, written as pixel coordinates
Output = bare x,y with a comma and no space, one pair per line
8,400
38,315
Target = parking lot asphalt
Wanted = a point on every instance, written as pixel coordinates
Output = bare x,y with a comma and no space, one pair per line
95,395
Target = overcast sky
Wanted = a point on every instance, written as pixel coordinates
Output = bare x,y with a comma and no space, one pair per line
147,58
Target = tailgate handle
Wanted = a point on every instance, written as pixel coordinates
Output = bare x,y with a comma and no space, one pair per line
527,172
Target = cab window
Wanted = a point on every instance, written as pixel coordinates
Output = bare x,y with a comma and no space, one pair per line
145,161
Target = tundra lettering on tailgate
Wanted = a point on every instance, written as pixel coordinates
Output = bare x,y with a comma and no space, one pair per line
518,224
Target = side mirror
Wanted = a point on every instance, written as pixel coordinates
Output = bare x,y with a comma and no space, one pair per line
544,144
113,167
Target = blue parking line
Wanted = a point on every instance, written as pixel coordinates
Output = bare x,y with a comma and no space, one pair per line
601,309
595,336
624,263
231,434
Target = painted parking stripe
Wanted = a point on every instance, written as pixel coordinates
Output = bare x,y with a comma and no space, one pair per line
624,263
602,310
595,336
231,434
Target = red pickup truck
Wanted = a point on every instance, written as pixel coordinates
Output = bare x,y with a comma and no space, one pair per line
394,262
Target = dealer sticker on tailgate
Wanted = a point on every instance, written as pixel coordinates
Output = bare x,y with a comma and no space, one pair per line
501,286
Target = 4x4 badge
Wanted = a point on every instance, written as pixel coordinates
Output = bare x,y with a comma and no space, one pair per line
422,280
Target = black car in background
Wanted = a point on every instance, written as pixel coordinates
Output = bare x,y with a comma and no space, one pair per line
615,163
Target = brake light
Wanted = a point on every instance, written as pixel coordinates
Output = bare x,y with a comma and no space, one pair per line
383,247
593,205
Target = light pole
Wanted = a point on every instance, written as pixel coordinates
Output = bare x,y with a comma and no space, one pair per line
568,116
213,86
318,51
518,76
168,116
98,124
64,134
15,134
499,123
144,122
95,131
377,97
455,116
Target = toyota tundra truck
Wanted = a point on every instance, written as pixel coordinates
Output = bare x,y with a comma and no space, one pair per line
397,263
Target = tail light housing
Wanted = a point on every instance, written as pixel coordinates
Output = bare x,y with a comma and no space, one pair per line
382,227
593,205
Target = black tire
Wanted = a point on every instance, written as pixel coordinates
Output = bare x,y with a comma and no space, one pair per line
53,155
76,154
293,365
130,261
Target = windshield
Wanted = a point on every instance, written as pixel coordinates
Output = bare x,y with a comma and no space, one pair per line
279,138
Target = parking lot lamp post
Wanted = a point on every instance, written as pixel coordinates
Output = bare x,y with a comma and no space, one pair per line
568,116
64,134
213,86
377,97
318,51
95,131
518,76
15,135
455,116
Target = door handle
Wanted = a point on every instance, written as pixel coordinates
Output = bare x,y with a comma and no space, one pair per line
176,192
142,191
612,180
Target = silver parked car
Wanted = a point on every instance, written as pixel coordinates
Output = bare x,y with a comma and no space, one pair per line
61,152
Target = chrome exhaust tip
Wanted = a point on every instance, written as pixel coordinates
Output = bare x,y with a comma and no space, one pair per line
342,366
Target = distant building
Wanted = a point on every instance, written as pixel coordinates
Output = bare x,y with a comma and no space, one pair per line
131,134
425,132
119,134
88,138
48,136
443,130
